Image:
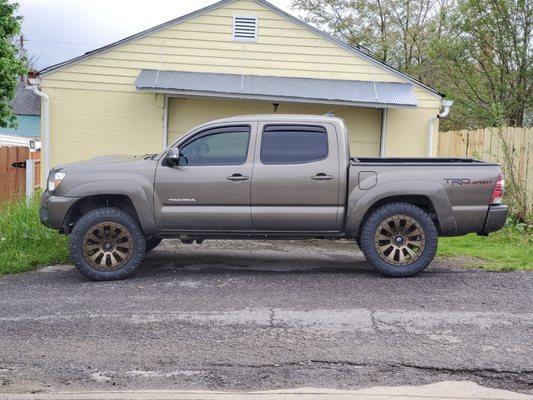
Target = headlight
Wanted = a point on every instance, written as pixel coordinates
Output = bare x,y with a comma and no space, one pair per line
54,180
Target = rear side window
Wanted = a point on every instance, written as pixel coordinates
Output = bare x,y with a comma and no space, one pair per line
293,144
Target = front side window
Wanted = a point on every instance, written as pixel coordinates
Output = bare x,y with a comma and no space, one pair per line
219,146
293,144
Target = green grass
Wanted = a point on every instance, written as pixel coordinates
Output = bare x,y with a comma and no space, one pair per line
505,250
25,244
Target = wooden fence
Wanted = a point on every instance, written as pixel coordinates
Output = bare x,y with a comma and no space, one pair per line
13,180
486,145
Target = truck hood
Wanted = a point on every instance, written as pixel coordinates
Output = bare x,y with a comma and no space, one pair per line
103,160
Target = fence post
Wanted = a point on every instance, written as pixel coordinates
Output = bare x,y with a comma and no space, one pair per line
30,179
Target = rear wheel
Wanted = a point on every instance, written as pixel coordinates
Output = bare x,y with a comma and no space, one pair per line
107,244
399,239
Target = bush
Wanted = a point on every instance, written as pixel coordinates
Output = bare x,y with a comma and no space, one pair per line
25,243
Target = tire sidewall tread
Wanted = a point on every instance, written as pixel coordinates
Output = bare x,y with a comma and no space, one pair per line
94,217
386,211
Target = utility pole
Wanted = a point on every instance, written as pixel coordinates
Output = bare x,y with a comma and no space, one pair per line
22,52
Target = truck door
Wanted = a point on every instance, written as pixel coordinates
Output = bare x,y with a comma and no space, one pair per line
210,188
295,185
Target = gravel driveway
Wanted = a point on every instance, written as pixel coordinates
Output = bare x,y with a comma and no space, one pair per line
264,315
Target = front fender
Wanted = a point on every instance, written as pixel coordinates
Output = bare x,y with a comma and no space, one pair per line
358,205
133,190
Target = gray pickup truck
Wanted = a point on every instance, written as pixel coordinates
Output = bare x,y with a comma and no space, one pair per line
268,177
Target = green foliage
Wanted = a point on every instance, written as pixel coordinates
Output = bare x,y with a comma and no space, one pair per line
508,249
478,52
25,243
394,31
11,66
484,60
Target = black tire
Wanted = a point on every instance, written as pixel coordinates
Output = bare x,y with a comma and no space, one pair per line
152,243
424,225
100,217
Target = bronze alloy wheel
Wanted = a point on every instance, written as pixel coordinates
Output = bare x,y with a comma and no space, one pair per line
107,246
400,240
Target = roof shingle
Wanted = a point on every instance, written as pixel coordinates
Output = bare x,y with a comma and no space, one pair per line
26,102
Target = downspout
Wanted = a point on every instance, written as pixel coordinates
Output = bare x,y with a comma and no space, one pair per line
446,104
383,141
34,86
165,123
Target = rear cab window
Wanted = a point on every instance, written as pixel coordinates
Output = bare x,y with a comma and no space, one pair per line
293,144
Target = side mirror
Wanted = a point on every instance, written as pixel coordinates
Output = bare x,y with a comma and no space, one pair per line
173,156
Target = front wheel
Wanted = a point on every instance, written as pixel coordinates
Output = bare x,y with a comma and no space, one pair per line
107,244
399,239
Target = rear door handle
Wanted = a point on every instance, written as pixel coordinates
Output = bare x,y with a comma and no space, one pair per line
237,177
322,177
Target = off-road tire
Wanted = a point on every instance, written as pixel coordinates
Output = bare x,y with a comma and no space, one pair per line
152,243
92,219
425,223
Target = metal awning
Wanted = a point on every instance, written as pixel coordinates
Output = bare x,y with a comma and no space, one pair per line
276,88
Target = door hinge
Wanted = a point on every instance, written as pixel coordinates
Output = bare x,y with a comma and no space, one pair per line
21,164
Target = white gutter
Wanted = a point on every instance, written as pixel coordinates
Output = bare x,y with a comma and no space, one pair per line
17,141
45,137
446,104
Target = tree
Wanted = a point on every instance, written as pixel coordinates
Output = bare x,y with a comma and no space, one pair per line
11,65
484,60
397,32
478,52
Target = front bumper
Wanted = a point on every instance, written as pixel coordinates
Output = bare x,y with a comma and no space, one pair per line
53,209
496,218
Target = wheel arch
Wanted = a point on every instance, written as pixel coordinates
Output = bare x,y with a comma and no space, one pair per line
432,198
421,201
128,196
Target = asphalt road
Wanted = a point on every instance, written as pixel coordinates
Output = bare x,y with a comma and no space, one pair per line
264,315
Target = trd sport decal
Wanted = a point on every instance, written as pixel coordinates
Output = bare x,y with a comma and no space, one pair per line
465,181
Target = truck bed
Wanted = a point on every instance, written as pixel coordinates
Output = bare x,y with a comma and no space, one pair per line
417,160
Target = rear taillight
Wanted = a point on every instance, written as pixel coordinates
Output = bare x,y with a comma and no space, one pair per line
497,192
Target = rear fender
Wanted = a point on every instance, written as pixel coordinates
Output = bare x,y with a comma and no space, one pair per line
358,205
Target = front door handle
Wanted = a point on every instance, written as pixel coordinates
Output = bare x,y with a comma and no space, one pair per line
322,177
237,177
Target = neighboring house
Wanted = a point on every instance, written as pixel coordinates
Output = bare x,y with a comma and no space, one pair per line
233,57
27,108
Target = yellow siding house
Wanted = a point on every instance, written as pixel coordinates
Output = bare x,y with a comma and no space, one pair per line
233,57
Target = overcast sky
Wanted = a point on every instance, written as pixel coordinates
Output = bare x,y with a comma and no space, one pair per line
57,30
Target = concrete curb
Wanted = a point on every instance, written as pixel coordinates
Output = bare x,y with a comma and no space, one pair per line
442,391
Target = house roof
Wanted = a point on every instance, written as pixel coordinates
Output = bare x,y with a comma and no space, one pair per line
273,88
26,102
29,126
222,3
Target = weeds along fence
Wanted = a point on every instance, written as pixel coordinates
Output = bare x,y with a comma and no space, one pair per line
511,147
13,173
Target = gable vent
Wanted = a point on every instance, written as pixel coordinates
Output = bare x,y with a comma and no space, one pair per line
245,28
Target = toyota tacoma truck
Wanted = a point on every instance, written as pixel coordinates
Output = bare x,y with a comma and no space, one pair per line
269,177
